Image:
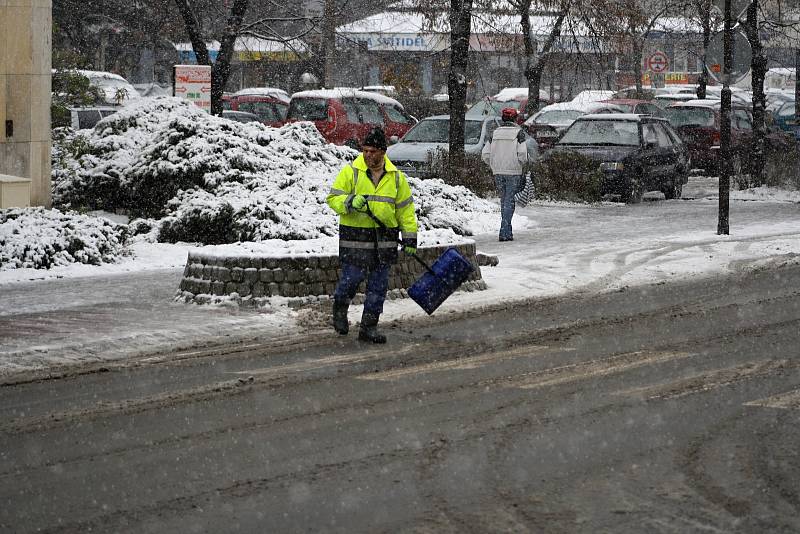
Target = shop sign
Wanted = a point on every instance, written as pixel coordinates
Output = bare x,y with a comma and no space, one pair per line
409,42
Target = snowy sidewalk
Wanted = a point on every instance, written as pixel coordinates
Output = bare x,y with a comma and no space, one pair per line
115,312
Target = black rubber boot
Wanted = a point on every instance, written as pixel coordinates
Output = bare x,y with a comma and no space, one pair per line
369,329
340,323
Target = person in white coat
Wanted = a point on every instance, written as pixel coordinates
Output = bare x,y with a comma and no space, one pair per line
506,154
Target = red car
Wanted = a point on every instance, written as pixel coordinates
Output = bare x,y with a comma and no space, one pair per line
698,124
345,116
267,103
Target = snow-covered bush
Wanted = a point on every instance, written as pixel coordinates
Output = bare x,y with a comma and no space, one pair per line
212,180
39,238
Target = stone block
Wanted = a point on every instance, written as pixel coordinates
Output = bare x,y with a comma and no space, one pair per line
270,263
230,287
237,274
203,286
265,275
294,276
243,289
251,275
286,289
217,288
312,262
278,275
317,288
224,274
259,290
301,289
256,262
207,270
273,289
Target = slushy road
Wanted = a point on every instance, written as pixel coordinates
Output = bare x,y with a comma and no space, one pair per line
665,408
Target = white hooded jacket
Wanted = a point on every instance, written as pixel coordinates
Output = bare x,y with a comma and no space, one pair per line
507,152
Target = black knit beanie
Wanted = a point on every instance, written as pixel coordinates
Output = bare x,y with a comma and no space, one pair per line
375,138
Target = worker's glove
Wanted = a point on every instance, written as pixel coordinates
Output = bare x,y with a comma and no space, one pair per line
359,203
410,251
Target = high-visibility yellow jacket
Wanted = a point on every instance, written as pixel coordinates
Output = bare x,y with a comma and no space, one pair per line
362,241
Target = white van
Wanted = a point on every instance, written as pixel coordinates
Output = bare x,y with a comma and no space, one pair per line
115,88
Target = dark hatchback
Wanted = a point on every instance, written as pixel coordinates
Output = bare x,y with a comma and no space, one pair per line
636,153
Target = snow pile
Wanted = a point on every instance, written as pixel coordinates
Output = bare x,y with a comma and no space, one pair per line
38,238
211,180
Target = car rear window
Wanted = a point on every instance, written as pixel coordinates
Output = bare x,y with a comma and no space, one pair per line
308,109
438,131
264,110
557,116
602,132
686,116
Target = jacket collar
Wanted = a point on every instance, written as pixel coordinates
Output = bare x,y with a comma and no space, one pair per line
361,165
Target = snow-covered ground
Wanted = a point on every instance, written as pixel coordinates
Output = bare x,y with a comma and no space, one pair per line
81,313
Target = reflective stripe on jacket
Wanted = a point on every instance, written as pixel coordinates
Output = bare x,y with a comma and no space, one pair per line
361,241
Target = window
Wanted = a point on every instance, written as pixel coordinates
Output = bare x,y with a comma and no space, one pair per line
602,132
743,121
396,115
308,109
438,131
664,139
282,109
264,110
370,111
687,116
352,110
87,118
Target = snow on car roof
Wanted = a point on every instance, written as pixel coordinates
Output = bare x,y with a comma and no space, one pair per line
584,107
341,92
517,93
612,117
592,95
263,91
697,103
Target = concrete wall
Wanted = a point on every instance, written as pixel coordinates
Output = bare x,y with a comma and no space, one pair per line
25,82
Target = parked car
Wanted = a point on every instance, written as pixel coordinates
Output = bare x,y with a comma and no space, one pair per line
668,99
240,116
592,95
345,116
82,118
510,97
698,123
411,154
786,118
114,88
269,104
636,153
641,107
547,125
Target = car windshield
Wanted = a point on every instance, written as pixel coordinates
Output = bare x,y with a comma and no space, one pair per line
686,116
557,116
485,107
602,132
308,109
438,131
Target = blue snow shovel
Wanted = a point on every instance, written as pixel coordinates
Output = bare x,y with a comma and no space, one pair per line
439,280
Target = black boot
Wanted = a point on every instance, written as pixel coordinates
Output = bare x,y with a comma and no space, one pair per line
369,329
340,323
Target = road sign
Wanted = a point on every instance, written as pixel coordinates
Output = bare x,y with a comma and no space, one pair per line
658,62
193,82
742,56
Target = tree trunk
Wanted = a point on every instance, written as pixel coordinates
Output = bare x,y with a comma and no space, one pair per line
758,70
460,19
723,219
702,81
221,68
535,66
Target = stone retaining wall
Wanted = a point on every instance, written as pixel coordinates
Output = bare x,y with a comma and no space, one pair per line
251,280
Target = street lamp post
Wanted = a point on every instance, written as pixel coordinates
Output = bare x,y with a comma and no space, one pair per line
723,222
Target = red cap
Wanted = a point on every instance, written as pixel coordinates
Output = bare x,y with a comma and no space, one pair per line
508,114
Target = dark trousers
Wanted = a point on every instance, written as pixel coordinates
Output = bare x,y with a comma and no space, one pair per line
377,284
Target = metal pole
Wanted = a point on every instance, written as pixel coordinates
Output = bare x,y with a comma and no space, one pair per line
723,223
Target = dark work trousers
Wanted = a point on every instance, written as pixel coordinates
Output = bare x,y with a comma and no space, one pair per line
377,284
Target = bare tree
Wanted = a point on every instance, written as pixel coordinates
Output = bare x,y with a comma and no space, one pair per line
536,60
758,71
460,30
627,23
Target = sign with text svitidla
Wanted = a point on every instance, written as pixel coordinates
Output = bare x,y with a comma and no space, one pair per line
193,82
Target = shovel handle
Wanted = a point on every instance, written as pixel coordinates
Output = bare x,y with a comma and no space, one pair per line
400,241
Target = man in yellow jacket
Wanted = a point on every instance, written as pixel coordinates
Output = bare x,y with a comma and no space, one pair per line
371,186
